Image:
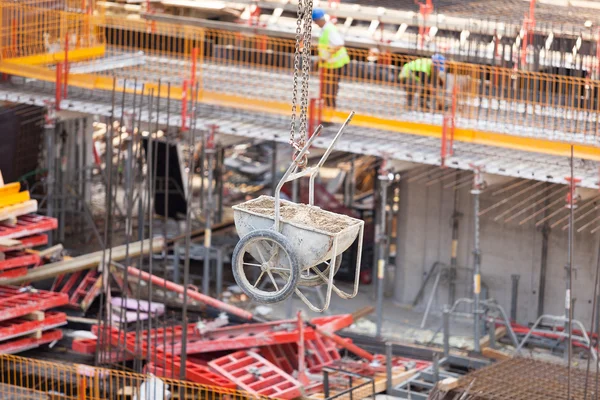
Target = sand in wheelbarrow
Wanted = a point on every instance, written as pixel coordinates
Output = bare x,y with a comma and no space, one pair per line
302,214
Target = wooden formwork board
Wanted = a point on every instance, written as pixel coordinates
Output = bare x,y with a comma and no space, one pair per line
367,391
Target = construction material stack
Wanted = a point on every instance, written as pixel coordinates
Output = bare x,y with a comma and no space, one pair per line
25,321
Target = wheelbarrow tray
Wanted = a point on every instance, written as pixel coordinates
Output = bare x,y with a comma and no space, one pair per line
311,231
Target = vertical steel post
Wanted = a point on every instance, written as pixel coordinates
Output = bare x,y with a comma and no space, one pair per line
454,249
514,296
326,383
295,190
50,178
66,66
492,333
273,168
210,152
384,178
446,330
476,191
219,252
388,367
436,367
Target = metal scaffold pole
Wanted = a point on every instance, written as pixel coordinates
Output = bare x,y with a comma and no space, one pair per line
476,191
384,178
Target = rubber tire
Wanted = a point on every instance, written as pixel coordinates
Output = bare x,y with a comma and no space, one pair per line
284,245
317,280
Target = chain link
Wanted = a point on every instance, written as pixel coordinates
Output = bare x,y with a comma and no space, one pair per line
304,34
296,69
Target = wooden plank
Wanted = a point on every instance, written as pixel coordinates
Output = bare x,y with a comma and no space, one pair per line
35,316
448,384
4,242
86,261
367,391
17,210
495,354
485,341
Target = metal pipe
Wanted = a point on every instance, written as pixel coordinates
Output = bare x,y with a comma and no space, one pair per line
514,296
492,333
273,167
436,367
569,293
210,152
210,301
476,265
543,268
382,239
446,328
456,215
388,367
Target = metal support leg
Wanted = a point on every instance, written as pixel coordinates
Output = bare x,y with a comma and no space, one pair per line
219,252
210,153
492,333
446,328
176,275
384,179
436,367
388,367
514,296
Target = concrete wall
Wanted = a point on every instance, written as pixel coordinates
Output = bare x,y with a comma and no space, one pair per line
425,234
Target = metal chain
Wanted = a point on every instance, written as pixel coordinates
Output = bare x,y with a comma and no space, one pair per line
306,64
296,69
304,34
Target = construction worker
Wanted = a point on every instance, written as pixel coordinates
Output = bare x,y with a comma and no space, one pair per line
423,76
332,56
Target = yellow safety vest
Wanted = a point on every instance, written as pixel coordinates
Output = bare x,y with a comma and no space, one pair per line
336,60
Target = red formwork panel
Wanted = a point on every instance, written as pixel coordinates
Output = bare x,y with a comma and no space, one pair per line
14,272
13,328
28,343
27,243
87,290
319,352
28,225
194,372
256,375
246,336
16,259
16,302
285,356
85,346
134,343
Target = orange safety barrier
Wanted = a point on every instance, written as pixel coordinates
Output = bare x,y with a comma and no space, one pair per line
494,105
27,378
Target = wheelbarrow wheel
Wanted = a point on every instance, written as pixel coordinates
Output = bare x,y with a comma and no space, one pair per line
259,259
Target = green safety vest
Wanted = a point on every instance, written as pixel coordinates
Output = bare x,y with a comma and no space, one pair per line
334,61
419,65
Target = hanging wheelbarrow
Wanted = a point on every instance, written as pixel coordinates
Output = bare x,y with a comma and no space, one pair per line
285,246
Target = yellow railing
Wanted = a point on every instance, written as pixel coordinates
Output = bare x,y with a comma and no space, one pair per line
26,378
492,105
